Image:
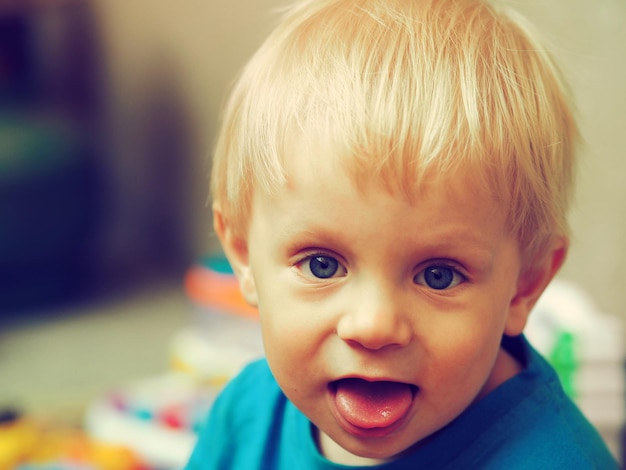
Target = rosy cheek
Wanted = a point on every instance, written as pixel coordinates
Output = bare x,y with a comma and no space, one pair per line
458,358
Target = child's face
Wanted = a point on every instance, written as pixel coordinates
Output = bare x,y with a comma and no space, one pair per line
356,287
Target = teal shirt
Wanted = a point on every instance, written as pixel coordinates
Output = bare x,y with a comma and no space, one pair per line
526,423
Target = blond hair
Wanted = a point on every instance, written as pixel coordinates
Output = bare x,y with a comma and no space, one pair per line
408,90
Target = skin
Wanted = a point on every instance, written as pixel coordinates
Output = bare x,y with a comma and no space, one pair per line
377,316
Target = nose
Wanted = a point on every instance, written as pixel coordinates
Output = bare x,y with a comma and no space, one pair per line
376,318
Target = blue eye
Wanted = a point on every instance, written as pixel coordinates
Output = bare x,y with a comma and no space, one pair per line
323,267
439,277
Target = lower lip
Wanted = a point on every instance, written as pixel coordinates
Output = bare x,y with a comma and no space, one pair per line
366,432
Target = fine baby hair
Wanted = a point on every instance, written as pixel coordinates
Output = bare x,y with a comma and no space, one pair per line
407,91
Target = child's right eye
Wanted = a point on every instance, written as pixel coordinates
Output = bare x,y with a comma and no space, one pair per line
322,267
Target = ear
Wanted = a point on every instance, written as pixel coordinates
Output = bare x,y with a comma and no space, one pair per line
531,283
236,250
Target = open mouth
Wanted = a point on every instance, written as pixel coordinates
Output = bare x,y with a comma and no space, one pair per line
371,405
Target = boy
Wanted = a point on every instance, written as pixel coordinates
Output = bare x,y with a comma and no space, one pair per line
390,186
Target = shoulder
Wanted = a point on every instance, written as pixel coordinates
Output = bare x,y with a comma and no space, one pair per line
237,433
257,375
247,399
551,442
544,429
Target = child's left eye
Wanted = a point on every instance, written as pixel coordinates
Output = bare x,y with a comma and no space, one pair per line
439,277
322,266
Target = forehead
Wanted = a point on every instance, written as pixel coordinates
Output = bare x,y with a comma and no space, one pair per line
326,157
325,182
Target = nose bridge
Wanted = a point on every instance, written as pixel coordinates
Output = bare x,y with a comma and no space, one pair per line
376,316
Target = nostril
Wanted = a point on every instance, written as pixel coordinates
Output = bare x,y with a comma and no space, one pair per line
373,345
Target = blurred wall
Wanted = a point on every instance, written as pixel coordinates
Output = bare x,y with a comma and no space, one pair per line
197,47
190,50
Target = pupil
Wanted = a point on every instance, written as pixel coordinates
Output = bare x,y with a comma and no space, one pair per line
438,277
323,266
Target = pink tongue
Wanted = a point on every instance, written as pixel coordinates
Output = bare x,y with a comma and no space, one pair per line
372,404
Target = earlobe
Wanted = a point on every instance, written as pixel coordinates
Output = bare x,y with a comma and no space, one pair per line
236,250
531,283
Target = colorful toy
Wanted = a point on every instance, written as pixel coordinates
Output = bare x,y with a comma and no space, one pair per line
28,444
224,332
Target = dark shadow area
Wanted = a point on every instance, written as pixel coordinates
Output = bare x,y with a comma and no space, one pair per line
59,194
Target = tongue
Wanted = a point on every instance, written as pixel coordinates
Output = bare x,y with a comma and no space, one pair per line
372,404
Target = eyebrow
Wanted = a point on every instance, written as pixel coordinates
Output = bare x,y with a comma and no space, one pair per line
446,241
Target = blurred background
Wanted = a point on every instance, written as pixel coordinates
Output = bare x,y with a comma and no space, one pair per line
108,112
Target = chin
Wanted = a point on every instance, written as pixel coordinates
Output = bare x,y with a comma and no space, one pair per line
348,452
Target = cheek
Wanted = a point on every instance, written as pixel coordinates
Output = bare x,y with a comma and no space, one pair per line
288,353
465,350
288,334
286,320
295,341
